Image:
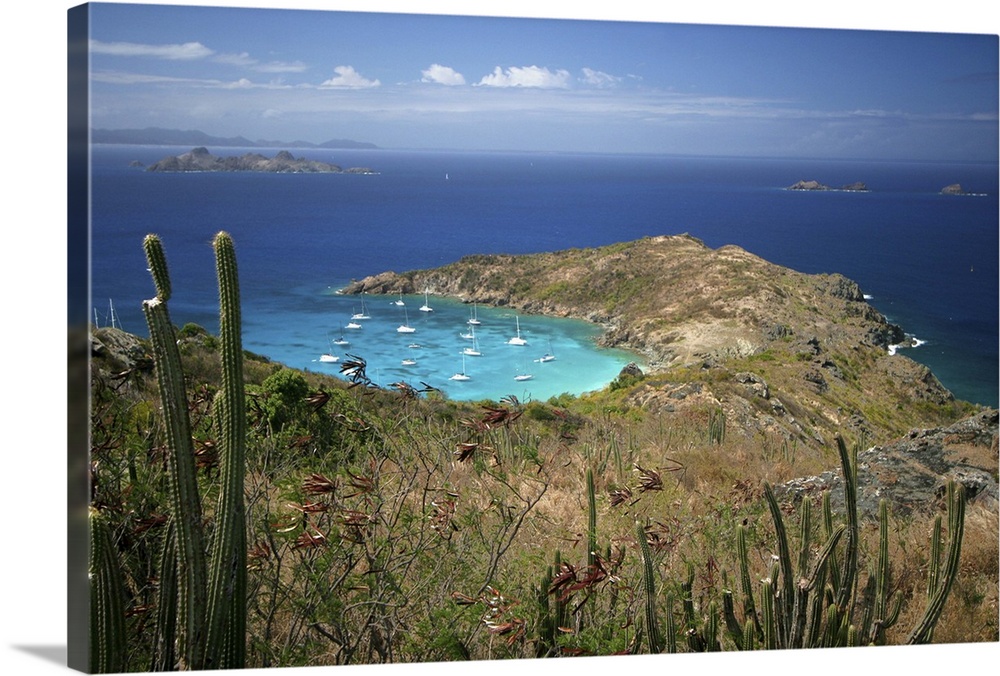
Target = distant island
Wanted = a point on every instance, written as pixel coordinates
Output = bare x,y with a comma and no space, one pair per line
857,186
199,159
155,136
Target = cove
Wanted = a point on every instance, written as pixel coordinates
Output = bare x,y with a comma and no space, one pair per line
557,355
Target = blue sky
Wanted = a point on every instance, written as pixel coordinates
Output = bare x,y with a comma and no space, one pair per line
468,82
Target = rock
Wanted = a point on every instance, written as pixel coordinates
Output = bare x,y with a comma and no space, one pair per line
857,186
953,189
631,370
912,472
754,384
808,185
122,351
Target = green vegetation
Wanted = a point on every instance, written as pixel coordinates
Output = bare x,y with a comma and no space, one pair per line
398,526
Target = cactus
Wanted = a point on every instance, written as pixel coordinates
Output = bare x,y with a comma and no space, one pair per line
591,520
649,585
185,502
941,581
187,637
107,602
226,638
716,426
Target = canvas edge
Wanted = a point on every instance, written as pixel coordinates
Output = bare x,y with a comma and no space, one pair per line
78,300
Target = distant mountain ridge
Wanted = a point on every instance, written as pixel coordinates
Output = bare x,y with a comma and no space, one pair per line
155,136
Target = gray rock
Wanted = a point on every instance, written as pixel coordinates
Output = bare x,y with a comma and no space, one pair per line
912,472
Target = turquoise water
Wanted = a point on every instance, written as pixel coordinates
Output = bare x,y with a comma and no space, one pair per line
437,346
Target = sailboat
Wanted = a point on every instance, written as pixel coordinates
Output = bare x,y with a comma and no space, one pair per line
517,340
462,375
521,375
474,350
329,357
341,340
425,307
474,319
548,356
363,314
353,325
399,302
408,362
405,326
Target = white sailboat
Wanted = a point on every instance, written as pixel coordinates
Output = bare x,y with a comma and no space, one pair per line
353,325
548,356
474,319
474,350
329,357
405,326
363,314
399,302
523,376
408,362
517,340
342,340
463,375
425,307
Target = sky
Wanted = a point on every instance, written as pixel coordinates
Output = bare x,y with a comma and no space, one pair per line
422,81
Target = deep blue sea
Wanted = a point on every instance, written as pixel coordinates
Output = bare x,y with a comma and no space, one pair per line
927,261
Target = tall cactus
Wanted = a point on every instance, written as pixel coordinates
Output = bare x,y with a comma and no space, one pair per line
188,637
184,499
941,582
226,640
649,585
591,520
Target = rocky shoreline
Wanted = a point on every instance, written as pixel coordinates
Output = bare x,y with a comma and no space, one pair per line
804,357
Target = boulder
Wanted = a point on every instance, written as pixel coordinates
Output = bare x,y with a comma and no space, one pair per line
912,472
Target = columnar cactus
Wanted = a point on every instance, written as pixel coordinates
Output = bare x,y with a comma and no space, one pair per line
107,603
649,585
940,582
188,637
185,502
226,640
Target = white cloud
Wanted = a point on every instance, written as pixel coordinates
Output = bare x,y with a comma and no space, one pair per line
242,59
348,78
596,78
186,51
281,67
529,76
242,83
442,75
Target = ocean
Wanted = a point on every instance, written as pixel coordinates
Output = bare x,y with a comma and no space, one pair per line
925,260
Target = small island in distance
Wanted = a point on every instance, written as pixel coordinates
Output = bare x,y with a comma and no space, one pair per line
199,159
857,186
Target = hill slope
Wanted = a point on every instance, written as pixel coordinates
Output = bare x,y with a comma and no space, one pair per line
779,350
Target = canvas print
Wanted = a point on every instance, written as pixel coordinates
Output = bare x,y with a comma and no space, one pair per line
416,338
